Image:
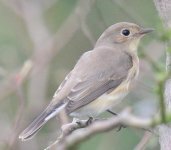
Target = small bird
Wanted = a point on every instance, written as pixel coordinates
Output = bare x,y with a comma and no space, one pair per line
99,80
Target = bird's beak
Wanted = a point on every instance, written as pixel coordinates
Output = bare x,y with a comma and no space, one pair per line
145,31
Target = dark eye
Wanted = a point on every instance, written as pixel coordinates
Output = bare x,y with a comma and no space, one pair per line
125,32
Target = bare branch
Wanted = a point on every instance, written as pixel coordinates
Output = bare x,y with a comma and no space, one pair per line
14,84
70,136
72,24
8,87
145,139
14,135
46,45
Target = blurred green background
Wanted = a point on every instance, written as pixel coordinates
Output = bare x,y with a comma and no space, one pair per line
53,34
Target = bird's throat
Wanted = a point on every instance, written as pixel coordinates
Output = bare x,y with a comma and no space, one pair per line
134,45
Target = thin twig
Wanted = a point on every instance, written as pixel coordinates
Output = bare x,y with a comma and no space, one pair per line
69,139
7,88
143,142
19,116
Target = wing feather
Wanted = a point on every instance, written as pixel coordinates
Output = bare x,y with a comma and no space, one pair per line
90,95
94,74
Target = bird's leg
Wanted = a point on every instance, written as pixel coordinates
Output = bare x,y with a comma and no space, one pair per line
84,123
115,114
111,112
89,121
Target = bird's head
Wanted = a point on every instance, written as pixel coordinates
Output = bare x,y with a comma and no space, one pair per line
123,34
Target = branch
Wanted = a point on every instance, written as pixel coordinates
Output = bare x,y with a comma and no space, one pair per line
21,107
8,87
145,139
46,45
72,24
14,84
71,137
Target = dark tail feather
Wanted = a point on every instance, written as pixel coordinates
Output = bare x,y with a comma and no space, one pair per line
35,126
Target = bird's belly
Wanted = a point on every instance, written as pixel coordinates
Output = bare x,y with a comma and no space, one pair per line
102,103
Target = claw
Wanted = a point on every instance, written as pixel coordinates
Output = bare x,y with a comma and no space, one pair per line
115,114
120,127
89,121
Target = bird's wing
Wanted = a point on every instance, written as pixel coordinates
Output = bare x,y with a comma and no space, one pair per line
80,97
96,73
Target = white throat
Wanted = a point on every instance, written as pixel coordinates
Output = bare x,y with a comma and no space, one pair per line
133,45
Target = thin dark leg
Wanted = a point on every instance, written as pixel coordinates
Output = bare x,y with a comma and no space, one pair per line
89,121
115,114
111,112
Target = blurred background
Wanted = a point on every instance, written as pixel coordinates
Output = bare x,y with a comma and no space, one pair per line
40,41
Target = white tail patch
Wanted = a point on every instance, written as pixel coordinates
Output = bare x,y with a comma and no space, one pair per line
54,113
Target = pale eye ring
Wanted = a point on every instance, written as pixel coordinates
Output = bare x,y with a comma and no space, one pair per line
125,32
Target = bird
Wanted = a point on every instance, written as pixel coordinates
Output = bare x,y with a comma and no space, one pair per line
100,79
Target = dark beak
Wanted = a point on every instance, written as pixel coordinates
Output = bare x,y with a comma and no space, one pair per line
145,31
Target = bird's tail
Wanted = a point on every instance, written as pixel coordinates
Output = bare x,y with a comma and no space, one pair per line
36,125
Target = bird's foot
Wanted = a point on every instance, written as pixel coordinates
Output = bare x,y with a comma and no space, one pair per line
121,127
111,112
89,121
84,123
115,114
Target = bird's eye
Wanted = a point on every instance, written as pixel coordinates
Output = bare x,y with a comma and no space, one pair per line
125,32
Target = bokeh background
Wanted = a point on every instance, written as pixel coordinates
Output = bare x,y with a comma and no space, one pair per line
40,41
